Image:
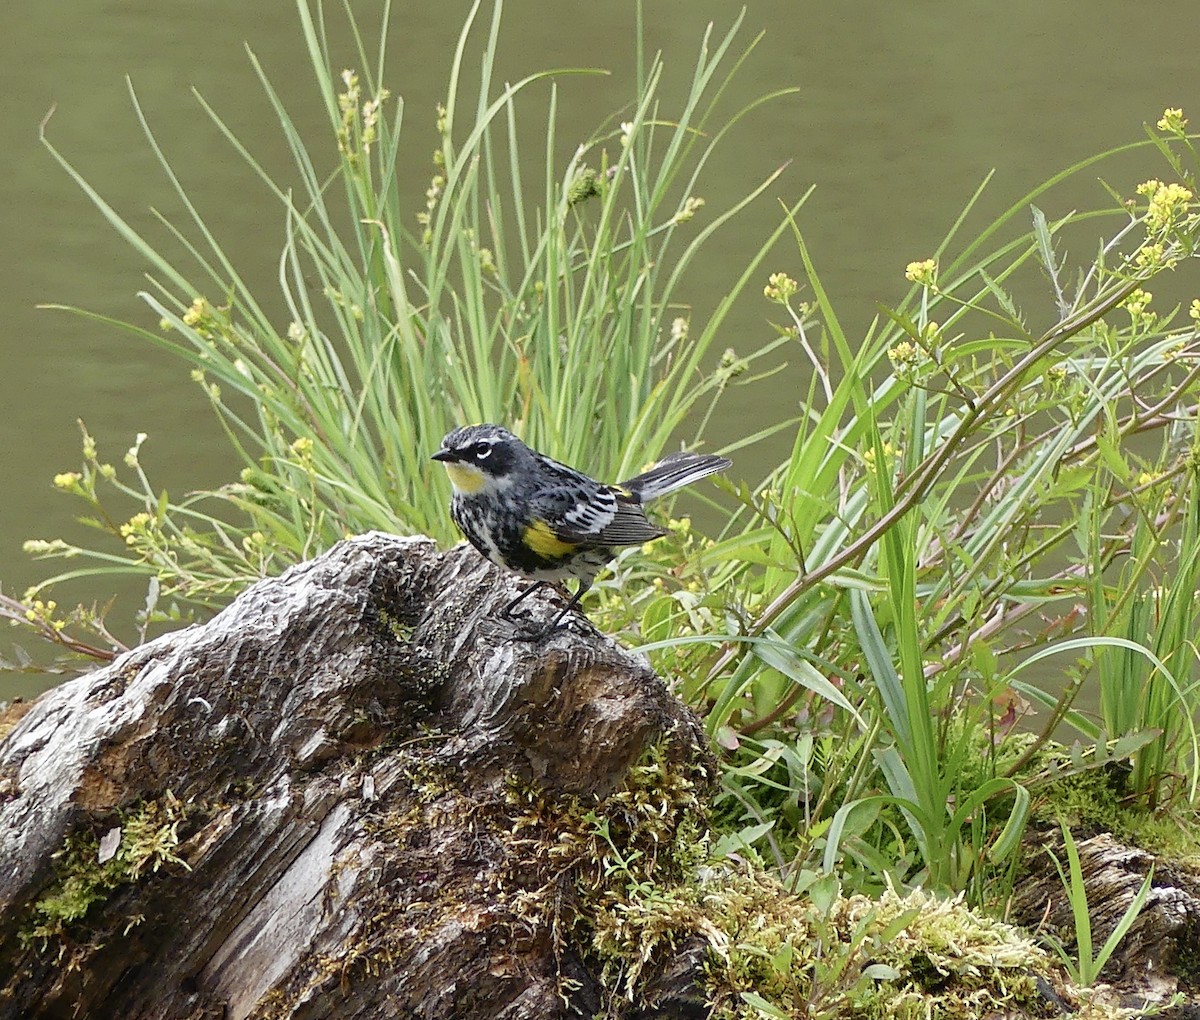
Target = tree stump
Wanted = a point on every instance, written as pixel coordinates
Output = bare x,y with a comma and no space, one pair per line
352,793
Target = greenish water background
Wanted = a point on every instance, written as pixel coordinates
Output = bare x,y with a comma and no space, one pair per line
902,110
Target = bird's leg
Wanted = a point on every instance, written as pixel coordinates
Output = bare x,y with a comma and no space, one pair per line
583,589
507,611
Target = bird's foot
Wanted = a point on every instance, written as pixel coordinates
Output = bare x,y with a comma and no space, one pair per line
528,629
531,631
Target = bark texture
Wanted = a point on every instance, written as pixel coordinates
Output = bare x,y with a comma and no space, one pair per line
317,805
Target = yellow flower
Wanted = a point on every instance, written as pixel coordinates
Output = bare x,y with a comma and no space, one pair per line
1194,310
197,313
136,527
39,610
1137,303
903,354
1172,121
890,454
780,287
924,272
1154,256
67,480
1166,203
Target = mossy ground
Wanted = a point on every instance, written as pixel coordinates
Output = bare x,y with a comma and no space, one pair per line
627,882
623,884
1095,801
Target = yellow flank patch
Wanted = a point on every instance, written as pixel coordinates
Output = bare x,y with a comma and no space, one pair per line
545,543
465,478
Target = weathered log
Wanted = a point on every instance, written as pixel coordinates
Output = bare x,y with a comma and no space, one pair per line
322,803
1157,956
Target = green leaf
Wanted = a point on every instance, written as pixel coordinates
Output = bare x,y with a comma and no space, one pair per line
764,1008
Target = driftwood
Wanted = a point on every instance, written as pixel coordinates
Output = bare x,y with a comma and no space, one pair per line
312,806
1158,955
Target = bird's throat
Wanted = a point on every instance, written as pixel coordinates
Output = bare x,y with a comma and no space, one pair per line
465,478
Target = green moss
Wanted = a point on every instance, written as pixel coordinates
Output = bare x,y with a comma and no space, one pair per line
1187,957
1173,834
149,835
645,885
775,954
988,759
1094,800
400,630
1087,800
629,881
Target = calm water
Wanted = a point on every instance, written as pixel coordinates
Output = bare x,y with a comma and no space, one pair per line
902,110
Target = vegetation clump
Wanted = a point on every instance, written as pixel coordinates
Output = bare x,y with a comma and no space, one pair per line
91,866
631,881
1096,800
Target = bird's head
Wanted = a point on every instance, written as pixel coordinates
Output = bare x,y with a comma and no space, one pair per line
480,456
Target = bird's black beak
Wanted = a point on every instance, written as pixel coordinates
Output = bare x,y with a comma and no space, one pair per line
444,455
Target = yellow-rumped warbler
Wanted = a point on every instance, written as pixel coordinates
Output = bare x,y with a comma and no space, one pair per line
546,521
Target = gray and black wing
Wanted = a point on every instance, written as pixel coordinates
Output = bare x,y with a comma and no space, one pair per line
584,512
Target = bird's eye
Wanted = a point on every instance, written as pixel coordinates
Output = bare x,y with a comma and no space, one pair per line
483,451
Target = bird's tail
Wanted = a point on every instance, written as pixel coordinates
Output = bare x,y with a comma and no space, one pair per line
674,472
